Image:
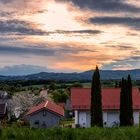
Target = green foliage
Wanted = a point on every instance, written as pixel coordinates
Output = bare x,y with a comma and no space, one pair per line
0,132
11,89
77,84
52,86
60,96
39,100
96,100
95,133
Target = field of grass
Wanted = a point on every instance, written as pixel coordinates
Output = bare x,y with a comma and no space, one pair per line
128,133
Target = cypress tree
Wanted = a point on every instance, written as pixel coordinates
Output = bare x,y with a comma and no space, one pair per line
96,100
91,105
126,105
116,84
129,102
122,103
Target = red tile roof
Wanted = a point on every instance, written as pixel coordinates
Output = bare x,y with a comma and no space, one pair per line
49,106
80,98
61,104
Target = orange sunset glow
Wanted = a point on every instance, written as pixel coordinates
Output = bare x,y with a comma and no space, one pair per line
70,35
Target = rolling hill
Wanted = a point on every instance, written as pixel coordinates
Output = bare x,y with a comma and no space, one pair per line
83,76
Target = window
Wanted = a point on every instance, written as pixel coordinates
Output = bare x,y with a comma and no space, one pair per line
36,122
44,112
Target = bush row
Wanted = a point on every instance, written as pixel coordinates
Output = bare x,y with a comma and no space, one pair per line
128,133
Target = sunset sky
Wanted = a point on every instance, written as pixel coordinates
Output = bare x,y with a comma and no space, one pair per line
70,35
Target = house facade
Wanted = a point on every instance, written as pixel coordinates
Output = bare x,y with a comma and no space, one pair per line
45,115
4,107
80,102
3,111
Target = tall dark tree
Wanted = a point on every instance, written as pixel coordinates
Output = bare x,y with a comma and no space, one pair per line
126,105
116,84
123,103
96,100
129,102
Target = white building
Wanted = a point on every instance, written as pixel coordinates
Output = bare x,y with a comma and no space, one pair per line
80,101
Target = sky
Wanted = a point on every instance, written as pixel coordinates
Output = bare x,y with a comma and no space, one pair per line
70,35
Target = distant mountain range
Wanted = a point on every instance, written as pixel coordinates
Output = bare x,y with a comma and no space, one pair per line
83,76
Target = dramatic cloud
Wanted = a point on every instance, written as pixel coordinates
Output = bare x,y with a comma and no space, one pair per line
123,64
78,32
70,35
6,14
25,50
42,51
126,21
106,5
19,27
6,1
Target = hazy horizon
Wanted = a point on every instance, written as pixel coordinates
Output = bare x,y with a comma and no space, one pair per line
21,70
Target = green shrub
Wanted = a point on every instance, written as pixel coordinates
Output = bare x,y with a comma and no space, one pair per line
95,133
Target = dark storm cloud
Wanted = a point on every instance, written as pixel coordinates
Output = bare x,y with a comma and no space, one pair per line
6,1
98,5
79,32
18,27
25,50
125,21
23,27
135,58
6,14
14,13
41,50
105,5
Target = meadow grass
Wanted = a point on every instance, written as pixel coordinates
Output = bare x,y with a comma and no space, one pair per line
95,133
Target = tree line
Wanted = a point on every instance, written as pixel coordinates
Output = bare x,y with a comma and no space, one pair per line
126,104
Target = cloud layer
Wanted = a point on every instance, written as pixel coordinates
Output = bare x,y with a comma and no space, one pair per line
19,27
125,21
72,35
106,5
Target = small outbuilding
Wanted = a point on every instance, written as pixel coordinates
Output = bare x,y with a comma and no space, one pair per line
3,111
81,99
45,115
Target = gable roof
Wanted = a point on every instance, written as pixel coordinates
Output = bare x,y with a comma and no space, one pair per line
49,106
61,104
80,98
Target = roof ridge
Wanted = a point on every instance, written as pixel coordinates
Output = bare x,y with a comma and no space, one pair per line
46,104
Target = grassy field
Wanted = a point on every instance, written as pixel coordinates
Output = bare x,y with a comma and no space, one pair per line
128,133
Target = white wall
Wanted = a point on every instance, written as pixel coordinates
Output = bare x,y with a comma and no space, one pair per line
110,118
88,119
82,118
113,118
136,117
76,117
104,118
